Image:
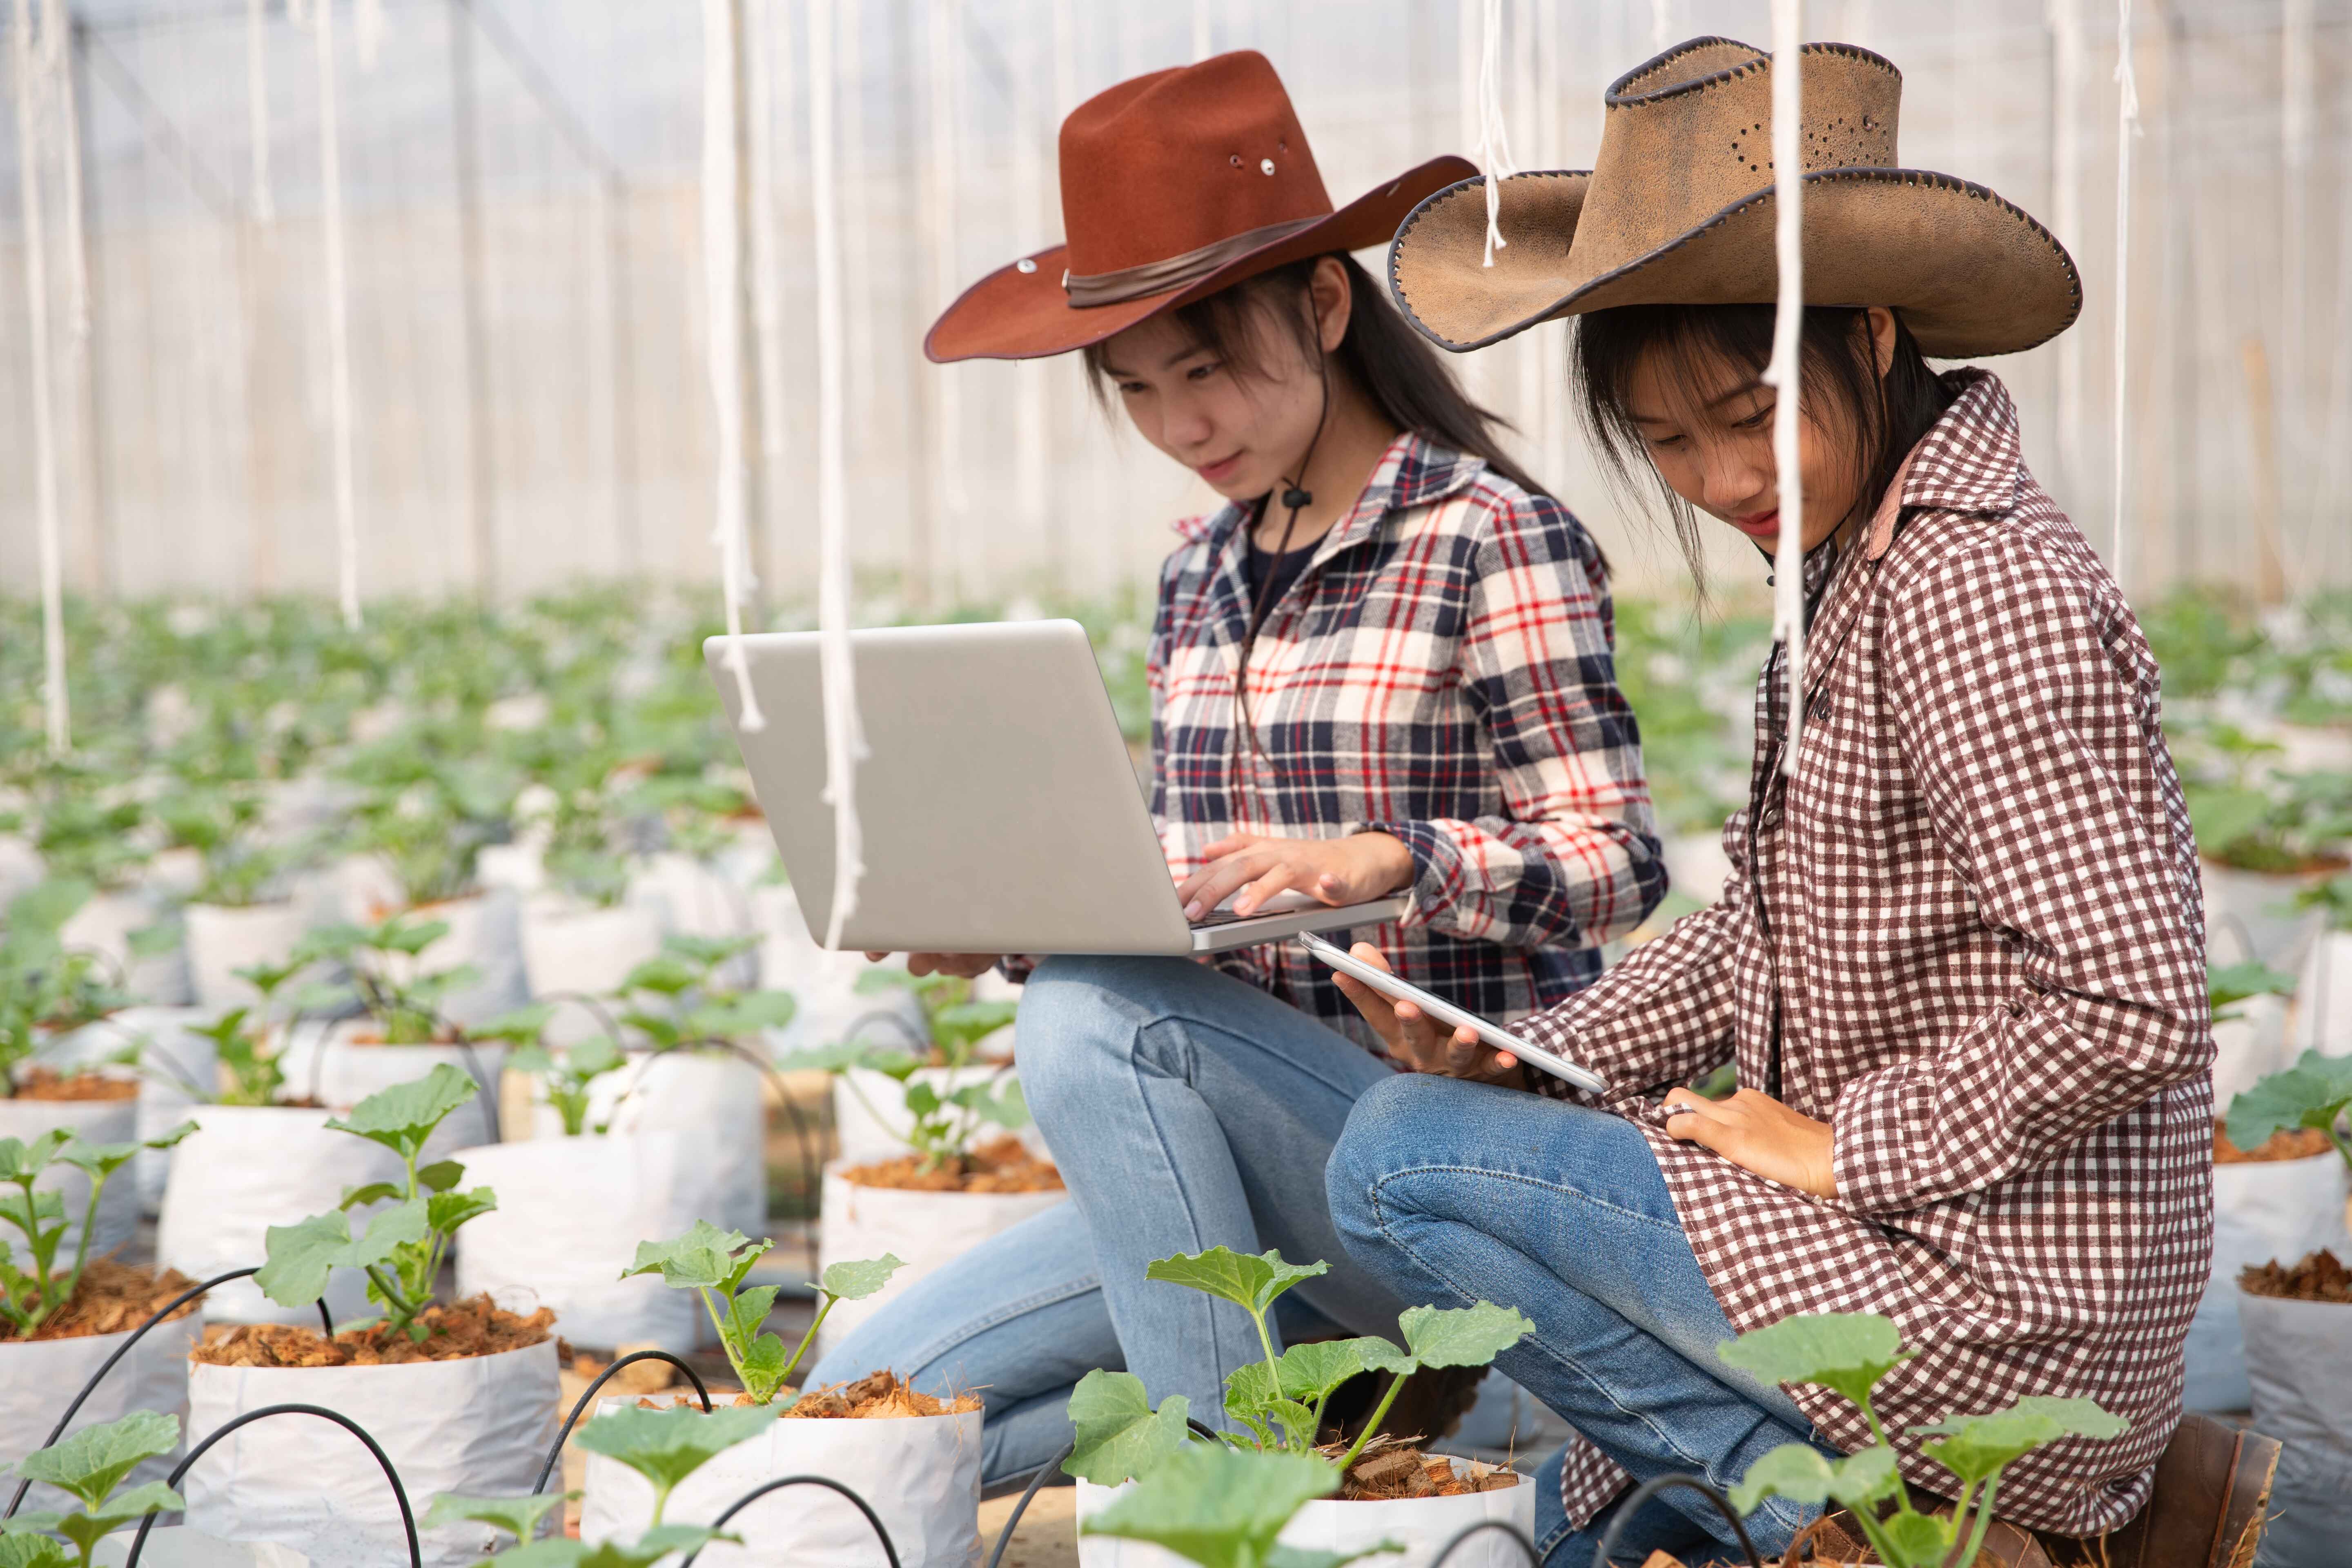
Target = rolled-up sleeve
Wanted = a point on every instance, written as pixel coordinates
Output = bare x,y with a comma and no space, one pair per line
2017,714
1572,857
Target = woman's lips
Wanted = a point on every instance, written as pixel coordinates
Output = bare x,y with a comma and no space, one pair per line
1759,524
1222,469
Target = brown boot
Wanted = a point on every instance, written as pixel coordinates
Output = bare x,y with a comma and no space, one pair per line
2207,1509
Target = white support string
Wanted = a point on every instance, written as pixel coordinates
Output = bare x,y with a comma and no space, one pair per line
367,31
845,743
2070,90
1785,374
339,330
944,65
767,32
1202,33
36,334
257,88
2126,128
1033,123
1493,129
2297,85
1661,25
722,290
57,56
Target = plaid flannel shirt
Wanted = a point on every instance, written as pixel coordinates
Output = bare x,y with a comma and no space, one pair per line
1976,914
1442,670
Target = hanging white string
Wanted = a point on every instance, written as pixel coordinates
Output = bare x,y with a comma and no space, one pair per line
2126,128
845,744
767,33
2297,60
1494,131
1661,25
367,31
722,290
339,330
1032,126
1200,29
36,334
1786,375
57,57
943,67
256,113
2065,23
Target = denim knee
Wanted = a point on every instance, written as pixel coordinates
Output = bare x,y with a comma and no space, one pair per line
1074,1022
1378,1142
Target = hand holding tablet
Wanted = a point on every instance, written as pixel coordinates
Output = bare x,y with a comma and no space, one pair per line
1412,1022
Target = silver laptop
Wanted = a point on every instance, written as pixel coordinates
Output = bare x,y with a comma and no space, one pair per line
999,808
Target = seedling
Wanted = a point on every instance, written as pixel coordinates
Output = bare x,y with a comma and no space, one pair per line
663,1446
2228,986
2334,898
565,1077
941,1128
690,1006
715,1263
1222,1507
241,1042
44,988
1279,1401
29,1299
88,1465
403,1245
1848,1353
406,1010
2314,1092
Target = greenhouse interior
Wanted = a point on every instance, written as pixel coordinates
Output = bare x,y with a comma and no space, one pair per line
1730,622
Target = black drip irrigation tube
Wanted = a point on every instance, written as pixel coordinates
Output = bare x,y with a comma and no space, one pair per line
123,1348
399,1493
1044,1473
602,1378
1503,1528
764,1487
1606,1556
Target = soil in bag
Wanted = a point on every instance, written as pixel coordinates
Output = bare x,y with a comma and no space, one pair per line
1390,1470
2320,1276
1004,1165
48,1083
113,1298
2286,1143
473,1328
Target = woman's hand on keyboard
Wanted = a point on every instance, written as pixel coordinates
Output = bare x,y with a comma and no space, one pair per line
1250,867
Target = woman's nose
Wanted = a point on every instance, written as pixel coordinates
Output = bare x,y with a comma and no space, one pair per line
1733,482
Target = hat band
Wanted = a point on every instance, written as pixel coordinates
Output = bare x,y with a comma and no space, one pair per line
1177,271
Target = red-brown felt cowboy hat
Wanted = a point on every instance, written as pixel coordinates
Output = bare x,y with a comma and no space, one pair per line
1678,210
1173,186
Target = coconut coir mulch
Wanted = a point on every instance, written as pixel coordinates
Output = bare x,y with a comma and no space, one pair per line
48,1083
114,1297
2320,1276
877,1396
1005,1165
1391,1469
477,1327
2286,1143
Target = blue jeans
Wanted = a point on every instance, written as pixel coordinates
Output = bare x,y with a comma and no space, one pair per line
1186,1110
1452,1192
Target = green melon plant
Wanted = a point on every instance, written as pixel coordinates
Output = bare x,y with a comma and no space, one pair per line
1224,1508
30,1296
2317,1092
88,1465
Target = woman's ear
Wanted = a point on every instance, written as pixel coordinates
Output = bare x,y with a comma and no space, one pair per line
1881,322
1332,300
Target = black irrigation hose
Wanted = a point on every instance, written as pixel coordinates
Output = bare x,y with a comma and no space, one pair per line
1045,1472
604,1377
1504,1528
764,1487
1605,1557
399,1493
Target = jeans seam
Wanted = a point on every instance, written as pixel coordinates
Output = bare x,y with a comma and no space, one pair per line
1561,1188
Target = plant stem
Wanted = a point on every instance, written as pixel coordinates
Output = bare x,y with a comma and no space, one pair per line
1273,1366
1879,1542
726,1343
1984,1521
1372,1423
800,1350
81,1244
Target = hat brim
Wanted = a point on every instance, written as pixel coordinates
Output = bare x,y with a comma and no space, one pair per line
1970,274
1013,313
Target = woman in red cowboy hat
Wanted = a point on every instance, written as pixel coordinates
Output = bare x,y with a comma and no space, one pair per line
1384,667
1958,962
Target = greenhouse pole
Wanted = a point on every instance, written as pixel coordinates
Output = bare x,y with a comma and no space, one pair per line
256,108
473,329
2126,128
843,744
1029,133
2295,73
723,334
1203,32
37,334
1785,372
339,331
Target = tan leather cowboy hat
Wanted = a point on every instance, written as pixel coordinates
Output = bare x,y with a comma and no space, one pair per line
1173,186
1678,210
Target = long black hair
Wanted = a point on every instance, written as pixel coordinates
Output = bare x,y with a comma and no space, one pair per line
1385,359
1889,412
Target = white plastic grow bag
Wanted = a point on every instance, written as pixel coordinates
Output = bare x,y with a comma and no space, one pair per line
1421,1526
2252,915
2266,1209
485,933
921,1475
38,1379
247,1168
717,1096
697,899
480,1426
177,1546
568,948
870,1115
104,925
2299,1356
571,1214
2323,997
927,1230
2249,1048
222,938
332,1067
93,1121
174,1058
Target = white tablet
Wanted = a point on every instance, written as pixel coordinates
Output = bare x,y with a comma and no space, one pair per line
1446,1013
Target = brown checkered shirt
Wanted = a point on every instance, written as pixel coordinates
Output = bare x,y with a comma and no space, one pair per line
1977,906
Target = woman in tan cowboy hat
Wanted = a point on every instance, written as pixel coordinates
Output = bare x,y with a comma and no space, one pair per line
1958,961
1383,666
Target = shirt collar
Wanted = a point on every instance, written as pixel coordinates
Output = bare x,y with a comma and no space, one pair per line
1413,472
1971,458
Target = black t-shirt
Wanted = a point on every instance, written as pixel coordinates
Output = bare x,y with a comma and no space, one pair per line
1282,570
